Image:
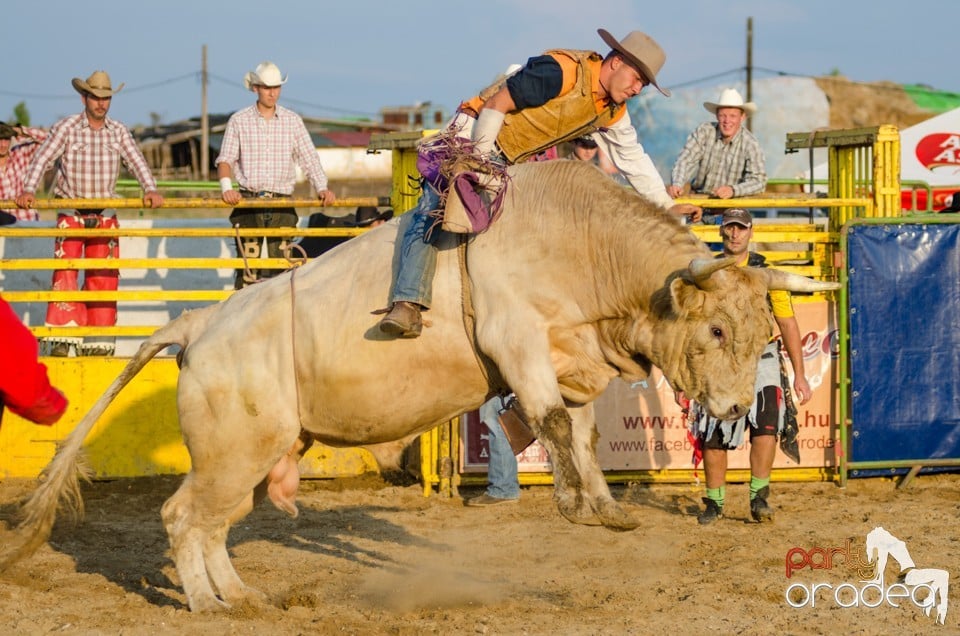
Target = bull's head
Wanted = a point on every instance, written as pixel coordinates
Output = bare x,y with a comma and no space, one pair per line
714,321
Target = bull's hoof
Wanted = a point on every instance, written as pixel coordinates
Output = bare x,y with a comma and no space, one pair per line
247,596
207,605
577,510
613,516
583,520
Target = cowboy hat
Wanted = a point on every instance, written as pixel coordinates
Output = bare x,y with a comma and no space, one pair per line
640,50
731,98
266,74
7,131
368,215
98,85
954,203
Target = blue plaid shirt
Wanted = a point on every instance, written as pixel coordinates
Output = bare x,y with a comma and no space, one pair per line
707,162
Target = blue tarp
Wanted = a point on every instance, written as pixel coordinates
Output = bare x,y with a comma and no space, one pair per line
904,289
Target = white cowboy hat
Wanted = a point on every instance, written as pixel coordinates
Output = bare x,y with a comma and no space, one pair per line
642,51
266,74
98,84
731,98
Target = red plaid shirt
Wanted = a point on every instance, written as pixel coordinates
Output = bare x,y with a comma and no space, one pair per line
22,150
261,152
88,160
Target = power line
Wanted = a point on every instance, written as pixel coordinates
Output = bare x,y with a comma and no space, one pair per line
192,75
707,78
166,82
779,73
291,100
130,89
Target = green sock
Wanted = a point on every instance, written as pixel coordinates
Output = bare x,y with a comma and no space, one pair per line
717,495
757,484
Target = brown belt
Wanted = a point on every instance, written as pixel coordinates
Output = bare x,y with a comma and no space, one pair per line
261,194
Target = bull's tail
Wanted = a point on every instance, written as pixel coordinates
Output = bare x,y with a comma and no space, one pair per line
60,484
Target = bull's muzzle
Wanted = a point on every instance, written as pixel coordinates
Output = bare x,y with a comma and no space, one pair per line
736,412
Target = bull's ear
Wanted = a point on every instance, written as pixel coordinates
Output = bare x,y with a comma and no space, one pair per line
684,296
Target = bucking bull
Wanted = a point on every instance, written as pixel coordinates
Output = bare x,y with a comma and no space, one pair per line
578,281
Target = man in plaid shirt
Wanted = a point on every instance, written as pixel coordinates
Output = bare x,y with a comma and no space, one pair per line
260,146
18,145
722,159
87,149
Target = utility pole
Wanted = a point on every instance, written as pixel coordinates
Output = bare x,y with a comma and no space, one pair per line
749,67
204,121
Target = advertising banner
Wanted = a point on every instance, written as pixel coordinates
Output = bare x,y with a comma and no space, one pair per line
642,428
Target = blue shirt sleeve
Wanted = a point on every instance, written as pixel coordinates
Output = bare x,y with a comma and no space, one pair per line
536,83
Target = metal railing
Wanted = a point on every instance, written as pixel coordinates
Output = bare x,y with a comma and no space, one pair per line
139,295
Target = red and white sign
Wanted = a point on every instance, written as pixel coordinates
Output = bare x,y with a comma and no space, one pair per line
929,152
940,152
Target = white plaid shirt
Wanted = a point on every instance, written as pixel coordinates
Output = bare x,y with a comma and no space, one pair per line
261,152
22,150
709,162
88,160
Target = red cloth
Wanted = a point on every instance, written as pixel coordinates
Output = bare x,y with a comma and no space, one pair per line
88,314
24,386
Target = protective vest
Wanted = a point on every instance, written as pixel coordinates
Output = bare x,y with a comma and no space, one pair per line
532,130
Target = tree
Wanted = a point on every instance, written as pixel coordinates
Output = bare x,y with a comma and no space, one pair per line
21,115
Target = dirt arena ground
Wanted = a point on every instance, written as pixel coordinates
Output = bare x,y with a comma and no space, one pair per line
366,557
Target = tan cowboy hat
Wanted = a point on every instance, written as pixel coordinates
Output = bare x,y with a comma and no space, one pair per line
98,84
731,98
266,74
642,51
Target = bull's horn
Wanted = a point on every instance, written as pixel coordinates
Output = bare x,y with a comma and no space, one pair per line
702,268
786,281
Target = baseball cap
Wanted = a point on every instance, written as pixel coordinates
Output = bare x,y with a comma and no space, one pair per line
738,216
584,142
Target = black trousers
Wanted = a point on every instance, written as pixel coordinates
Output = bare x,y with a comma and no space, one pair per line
251,246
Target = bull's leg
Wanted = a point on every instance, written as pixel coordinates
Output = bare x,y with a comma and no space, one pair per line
225,579
186,546
231,452
597,493
524,360
197,519
554,430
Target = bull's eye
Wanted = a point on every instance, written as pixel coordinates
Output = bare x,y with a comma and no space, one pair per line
716,332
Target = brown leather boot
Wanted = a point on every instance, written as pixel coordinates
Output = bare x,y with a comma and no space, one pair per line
403,320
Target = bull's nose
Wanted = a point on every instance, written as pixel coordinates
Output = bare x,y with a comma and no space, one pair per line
736,412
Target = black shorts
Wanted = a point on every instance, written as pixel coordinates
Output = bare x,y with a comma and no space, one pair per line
767,419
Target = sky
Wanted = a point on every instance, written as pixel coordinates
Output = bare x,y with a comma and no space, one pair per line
350,59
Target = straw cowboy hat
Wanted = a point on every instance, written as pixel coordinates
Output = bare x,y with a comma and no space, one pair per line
266,74
731,98
98,85
640,50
